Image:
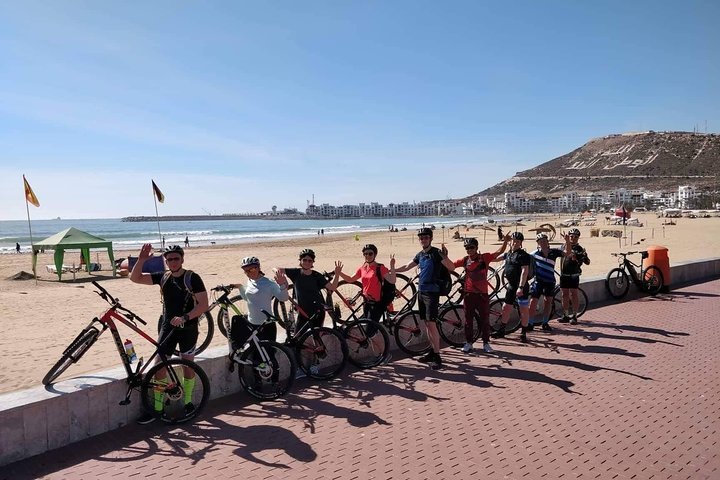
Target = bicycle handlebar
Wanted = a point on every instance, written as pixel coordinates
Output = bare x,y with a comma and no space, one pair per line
222,288
105,295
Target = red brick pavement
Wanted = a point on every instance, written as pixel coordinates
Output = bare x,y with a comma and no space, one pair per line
630,393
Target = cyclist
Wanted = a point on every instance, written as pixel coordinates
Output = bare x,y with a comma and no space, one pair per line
429,260
476,297
570,273
308,288
370,274
517,269
258,293
184,299
544,280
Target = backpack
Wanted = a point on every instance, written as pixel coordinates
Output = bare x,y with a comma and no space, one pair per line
387,289
186,280
442,274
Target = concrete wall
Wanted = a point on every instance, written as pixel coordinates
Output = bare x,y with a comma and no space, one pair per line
39,419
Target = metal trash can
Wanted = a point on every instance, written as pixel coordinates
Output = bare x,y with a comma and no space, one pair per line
658,256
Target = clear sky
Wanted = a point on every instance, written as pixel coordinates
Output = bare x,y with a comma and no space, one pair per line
237,106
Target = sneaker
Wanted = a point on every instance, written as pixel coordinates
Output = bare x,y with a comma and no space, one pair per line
300,374
546,327
146,418
467,348
523,338
530,327
500,333
564,319
189,408
427,358
574,320
487,348
314,370
436,362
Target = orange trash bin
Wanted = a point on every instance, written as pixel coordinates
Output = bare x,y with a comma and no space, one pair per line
658,256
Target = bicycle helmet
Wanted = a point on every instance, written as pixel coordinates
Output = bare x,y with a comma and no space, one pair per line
425,231
307,252
517,236
542,236
370,247
249,262
470,242
574,231
174,249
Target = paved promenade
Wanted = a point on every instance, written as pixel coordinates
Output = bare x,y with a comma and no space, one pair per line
632,392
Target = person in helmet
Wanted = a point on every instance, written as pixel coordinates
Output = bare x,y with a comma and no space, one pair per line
476,299
570,271
184,299
516,272
308,285
372,275
258,292
429,260
544,281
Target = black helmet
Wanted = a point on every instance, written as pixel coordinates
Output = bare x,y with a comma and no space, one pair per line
517,236
371,247
542,236
425,231
574,231
174,249
307,252
470,242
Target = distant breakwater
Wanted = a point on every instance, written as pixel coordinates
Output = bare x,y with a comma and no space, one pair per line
191,218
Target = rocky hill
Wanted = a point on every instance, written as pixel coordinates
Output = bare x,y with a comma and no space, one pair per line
653,160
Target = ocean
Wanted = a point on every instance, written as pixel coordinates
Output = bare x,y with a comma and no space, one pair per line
131,235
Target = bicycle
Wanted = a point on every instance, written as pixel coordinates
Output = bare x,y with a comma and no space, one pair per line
267,368
648,280
180,400
224,303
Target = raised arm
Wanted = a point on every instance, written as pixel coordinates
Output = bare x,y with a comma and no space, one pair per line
406,267
445,260
390,277
502,248
336,278
137,275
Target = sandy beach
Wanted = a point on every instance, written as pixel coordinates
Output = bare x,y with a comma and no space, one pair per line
41,319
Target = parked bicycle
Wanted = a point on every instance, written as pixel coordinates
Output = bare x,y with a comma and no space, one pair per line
648,280
181,396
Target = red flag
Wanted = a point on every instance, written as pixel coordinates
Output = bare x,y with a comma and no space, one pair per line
29,194
158,194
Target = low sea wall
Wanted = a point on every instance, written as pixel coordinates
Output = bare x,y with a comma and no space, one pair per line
39,419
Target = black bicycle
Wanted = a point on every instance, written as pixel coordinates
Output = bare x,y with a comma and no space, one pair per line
174,389
648,280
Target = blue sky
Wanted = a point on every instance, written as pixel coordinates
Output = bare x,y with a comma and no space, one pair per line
238,106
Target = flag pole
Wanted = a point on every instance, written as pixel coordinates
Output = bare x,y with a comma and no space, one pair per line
32,244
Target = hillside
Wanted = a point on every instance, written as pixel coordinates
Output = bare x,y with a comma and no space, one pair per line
653,160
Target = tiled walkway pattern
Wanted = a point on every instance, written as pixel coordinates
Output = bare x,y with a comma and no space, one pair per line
632,392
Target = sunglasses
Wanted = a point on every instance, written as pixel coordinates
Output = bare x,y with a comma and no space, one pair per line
470,248
307,259
252,267
368,254
426,237
173,259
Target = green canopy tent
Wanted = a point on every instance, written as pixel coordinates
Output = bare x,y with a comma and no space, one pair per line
72,239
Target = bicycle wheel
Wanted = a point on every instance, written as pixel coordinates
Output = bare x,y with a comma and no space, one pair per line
223,319
652,280
367,341
514,321
351,292
206,329
175,398
321,353
617,283
411,333
451,325
456,290
405,291
281,313
267,374
495,310
493,281
72,354
578,309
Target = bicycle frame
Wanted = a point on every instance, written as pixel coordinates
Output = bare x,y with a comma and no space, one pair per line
631,268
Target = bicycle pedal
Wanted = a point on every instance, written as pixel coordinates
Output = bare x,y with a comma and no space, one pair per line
124,402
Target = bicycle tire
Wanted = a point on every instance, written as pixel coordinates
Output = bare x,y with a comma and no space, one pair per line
206,330
410,335
278,312
451,325
537,317
582,301
329,357
223,319
405,294
652,280
72,354
456,294
493,282
617,283
352,293
173,394
496,309
267,381
361,348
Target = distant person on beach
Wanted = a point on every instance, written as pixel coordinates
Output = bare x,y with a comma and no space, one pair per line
500,234
259,292
187,241
308,285
544,281
322,231
163,242
570,271
17,247
184,299
429,260
517,271
476,299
